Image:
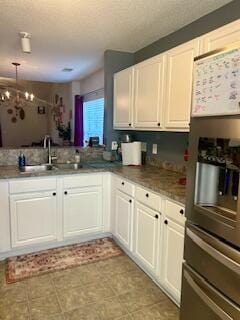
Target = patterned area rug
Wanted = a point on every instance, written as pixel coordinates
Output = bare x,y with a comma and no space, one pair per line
34,264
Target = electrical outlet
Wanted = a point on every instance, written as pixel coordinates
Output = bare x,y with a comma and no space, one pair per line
114,145
154,148
144,146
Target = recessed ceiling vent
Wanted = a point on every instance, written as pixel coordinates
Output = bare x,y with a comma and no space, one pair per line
67,69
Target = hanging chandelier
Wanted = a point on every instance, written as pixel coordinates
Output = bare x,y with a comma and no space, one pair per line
14,95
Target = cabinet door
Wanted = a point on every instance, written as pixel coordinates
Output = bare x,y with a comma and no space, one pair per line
221,37
123,219
123,99
172,257
82,211
33,218
146,235
149,89
179,85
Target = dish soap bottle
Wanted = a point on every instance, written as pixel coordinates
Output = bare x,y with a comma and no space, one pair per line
21,160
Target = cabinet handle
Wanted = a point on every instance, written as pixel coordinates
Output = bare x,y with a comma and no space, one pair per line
165,221
158,124
181,211
147,195
123,183
129,124
54,194
65,192
130,201
156,216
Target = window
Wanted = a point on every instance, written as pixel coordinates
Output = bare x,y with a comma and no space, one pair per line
93,115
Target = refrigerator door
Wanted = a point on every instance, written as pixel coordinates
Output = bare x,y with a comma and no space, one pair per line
201,301
213,200
217,262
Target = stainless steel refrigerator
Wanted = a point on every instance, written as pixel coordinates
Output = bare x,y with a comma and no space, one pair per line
211,271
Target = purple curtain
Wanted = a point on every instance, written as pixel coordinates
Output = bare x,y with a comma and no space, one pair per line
78,128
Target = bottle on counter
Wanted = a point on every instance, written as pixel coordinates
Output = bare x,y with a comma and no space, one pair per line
21,160
77,156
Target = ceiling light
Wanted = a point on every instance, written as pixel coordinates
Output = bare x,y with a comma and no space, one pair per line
25,41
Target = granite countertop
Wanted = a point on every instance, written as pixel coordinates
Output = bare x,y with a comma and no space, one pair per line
159,180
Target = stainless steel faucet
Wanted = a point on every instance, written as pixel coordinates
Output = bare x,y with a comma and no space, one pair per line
47,142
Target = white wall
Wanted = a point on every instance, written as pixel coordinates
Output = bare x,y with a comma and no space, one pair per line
93,82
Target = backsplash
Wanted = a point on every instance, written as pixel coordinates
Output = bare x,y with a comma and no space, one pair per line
155,161
39,155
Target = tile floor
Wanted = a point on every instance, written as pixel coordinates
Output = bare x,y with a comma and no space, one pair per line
112,289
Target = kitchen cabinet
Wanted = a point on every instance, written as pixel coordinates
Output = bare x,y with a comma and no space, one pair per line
5,239
123,99
148,95
221,37
172,258
33,218
124,205
82,211
146,229
179,78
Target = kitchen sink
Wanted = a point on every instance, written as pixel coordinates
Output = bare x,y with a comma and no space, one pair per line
68,166
37,168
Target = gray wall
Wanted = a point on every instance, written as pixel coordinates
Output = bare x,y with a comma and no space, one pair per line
170,145
207,23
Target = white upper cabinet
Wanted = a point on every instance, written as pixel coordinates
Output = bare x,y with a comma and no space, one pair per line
123,99
221,37
179,85
149,90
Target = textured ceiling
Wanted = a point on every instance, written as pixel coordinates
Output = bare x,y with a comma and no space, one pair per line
75,33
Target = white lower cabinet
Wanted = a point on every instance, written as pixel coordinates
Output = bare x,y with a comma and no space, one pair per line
146,229
172,258
123,218
33,218
82,211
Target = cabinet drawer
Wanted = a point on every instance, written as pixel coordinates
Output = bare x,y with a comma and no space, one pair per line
124,186
175,212
83,180
32,185
149,198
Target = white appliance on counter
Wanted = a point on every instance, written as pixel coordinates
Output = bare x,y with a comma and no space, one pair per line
131,153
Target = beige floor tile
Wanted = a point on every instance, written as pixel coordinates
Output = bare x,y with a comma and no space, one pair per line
162,311
44,307
15,311
110,267
128,281
67,280
85,313
40,286
89,273
110,308
12,294
73,298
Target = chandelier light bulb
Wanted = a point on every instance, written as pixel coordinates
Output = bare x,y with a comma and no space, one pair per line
7,94
26,95
2,97
31,96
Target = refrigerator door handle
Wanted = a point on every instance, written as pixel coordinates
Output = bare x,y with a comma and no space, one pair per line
229,263
208,301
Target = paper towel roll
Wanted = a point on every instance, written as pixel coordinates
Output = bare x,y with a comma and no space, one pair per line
131,153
